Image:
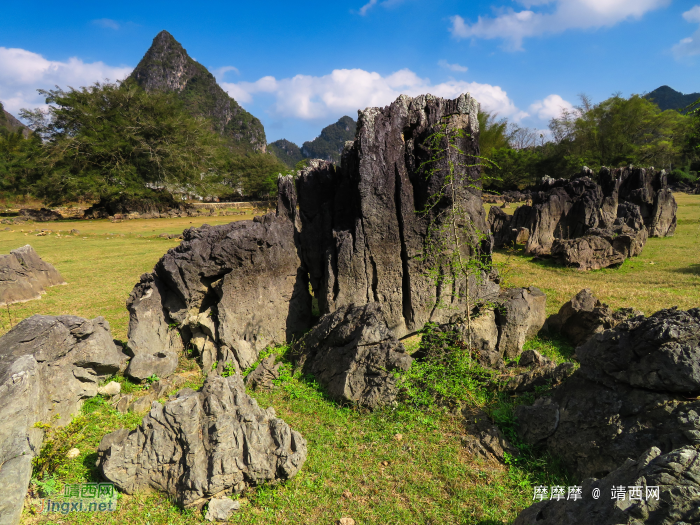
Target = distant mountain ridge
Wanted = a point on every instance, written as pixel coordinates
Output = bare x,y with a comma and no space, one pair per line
668,98
166,66
327,146
8,122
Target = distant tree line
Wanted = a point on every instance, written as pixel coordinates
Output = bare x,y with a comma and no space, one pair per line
616,132
116,139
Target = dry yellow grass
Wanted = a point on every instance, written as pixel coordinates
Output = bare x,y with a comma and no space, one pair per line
666,274
100,265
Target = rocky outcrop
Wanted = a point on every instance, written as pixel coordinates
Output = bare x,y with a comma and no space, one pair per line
354,356
203,444
591,225
166,66
363,240
264,374
584,315
636,388
520,315
483,439
40,215
228,291
48,366
543,373
352,232
24,276
656,488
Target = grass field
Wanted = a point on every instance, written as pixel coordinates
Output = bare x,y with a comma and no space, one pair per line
358,466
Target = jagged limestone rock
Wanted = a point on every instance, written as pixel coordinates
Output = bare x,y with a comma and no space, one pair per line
203,444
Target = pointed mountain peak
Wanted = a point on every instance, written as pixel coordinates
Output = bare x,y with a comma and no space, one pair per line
166,66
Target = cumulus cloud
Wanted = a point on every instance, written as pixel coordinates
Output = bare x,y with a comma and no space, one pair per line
107,23
369,5
22,72
550,107
220,72
689,46
555,16
347,90
452,67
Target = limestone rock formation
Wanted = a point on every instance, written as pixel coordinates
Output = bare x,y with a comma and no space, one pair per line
483,439
591,225
227,290
353,354
166,66
264,374
544,372
203,444
584,315
520,316
24,275
675,474
355,236
40,215
636,388
361,236
48,366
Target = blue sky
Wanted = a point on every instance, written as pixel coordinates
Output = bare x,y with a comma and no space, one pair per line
299,66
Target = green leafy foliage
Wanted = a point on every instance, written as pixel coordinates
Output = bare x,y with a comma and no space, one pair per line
253,175
110,139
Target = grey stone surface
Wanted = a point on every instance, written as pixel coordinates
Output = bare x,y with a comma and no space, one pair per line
353,354
549,375
264,374
636,388
584,315
361,236
48,366
24,275
519,316
676,474
110,389
203,444
483,439
221,509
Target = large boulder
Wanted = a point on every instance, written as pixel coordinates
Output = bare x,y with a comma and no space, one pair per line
655,489
590,252
227,291
354,356
520,315
584,315
636,388
48,366
203,444
363,236
40,215
649,190
24,275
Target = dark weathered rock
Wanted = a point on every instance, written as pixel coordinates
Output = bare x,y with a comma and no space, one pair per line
547,375
264,374
519,316
41,215
203,444
353,354
586,253
48,366
635,389
648,189
361,236
24,275
584,315
676,474
483,439
229,290
499,224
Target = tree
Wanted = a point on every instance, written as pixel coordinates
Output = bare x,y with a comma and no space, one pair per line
117,139
254,175
17,161
493,134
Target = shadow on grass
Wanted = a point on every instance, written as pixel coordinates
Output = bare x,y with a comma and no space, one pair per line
693,269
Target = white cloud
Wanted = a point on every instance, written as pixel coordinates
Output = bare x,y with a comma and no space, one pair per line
551,107
220,72
452,67
369,5
22,72
689,46
558,16
692,15
107,23
347,90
